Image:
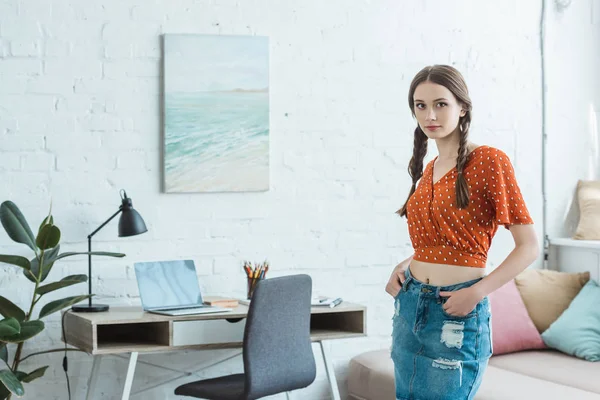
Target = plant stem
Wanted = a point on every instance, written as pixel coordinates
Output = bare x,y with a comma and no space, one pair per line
17,360
47,351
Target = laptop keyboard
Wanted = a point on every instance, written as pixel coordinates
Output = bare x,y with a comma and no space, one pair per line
197,310
188,308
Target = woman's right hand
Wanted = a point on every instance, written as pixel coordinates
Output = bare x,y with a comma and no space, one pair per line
397,279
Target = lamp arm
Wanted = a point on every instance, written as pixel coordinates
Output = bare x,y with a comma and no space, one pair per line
105,222
90,256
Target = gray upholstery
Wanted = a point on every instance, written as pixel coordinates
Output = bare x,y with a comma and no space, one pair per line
277,349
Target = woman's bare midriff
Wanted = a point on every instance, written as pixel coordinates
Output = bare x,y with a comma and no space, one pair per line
443,274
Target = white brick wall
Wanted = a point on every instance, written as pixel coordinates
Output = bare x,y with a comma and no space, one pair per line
80,119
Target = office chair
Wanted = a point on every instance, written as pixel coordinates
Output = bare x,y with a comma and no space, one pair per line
277,348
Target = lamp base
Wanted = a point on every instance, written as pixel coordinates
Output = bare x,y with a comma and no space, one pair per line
90,308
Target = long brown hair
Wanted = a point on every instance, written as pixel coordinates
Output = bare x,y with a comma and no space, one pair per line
450,78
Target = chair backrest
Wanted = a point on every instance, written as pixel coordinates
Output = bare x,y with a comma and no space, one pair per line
278,354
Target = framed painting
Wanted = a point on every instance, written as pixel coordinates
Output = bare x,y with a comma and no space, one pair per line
216,113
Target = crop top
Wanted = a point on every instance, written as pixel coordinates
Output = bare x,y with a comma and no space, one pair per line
443,234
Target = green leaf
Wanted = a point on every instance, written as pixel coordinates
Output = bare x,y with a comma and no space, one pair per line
4,352
48,265
35,266
15,260
64,282
49,220
38,373
57,305
20,375
28,330
49,258
11,382
8,309
50,255
9,327
4,391
46,271
94,253
16,225
48,237
29,276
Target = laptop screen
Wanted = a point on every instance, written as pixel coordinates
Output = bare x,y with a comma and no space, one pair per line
167,283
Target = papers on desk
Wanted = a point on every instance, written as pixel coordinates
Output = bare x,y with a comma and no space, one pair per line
323,301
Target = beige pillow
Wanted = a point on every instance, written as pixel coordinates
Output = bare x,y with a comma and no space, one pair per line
588,197
547,294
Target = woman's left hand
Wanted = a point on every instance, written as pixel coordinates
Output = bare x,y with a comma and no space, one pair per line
462,301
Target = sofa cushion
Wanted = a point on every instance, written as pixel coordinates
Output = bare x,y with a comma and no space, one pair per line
588,198
371,377
547,294
552,366
512,328
577,330
501,384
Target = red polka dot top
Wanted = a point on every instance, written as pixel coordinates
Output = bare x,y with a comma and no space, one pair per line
443,234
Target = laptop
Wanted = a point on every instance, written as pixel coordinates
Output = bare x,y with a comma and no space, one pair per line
171,288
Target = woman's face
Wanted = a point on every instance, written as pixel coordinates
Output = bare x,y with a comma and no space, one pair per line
436,109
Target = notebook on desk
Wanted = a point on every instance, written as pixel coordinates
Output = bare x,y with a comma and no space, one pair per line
171,288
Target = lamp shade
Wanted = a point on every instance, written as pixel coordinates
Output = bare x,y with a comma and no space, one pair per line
131,222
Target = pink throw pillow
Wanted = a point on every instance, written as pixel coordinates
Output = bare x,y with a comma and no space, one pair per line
512,328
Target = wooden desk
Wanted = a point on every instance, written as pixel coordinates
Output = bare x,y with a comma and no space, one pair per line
130,330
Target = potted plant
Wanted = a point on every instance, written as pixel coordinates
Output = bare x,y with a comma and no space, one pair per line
18,325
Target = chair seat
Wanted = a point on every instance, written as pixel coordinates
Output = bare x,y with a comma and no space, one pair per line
230,387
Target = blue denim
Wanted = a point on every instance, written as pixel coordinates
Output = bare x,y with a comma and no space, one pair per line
436,355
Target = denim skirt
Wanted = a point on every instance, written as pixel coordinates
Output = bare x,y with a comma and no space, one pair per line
438,356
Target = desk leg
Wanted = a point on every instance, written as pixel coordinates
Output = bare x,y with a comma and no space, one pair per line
93,377
335,392
130,373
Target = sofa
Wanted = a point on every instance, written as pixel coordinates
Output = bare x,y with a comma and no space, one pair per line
531,375
546,343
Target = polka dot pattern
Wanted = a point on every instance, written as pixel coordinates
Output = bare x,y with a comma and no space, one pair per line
443,234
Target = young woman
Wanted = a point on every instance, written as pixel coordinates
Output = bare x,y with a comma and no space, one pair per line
441,339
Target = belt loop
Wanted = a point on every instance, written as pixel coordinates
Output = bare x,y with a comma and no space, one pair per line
406,282
408,279
438,298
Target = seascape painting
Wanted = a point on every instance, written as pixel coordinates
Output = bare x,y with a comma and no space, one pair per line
216,113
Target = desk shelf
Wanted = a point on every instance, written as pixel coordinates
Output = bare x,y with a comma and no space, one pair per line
139,335
340,324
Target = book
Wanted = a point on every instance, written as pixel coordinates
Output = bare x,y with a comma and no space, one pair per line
220,301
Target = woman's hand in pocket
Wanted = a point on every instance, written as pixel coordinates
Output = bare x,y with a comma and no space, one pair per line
461,302
396,279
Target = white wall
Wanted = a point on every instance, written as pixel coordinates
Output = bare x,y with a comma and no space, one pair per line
573,108
80,86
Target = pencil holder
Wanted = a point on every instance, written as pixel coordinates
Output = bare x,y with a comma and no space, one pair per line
252,282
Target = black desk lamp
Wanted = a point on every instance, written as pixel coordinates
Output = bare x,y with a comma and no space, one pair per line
131,223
